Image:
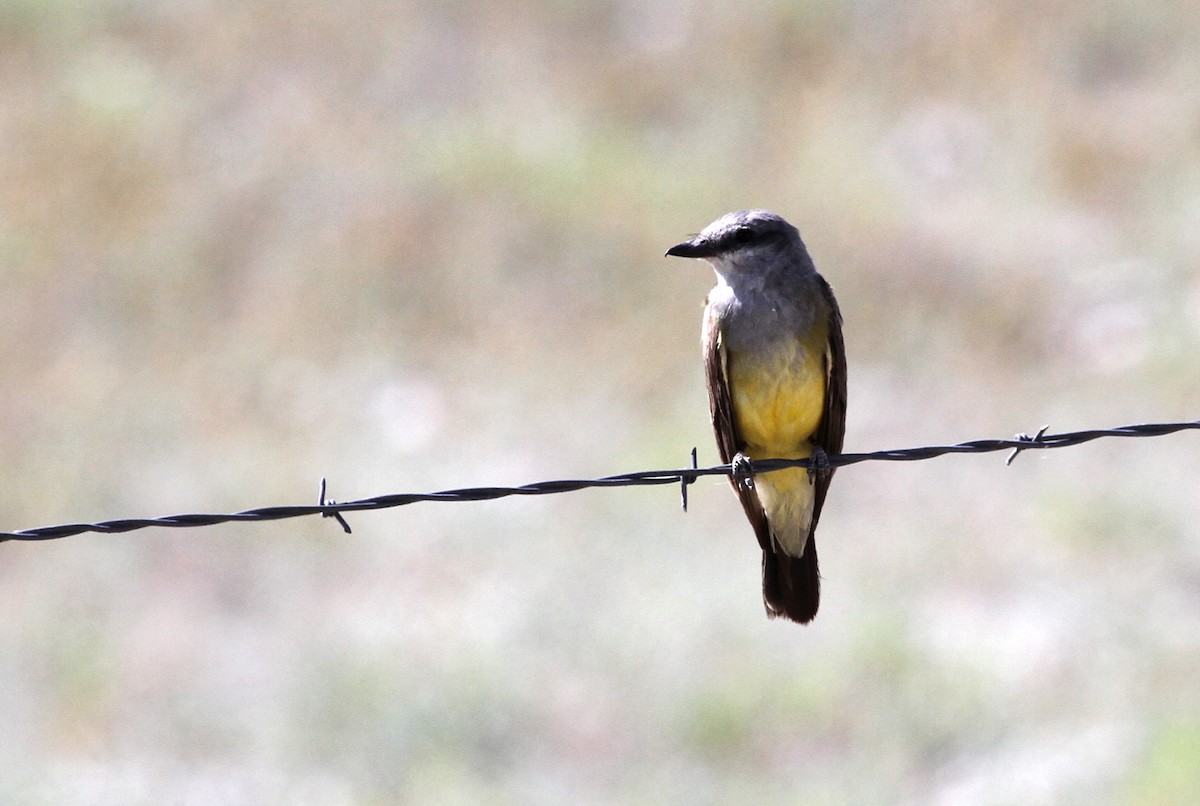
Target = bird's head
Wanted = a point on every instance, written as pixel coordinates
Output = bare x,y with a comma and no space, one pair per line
740,238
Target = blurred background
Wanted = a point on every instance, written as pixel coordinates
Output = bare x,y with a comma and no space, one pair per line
418,245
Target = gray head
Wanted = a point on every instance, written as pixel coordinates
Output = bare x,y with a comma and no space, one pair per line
750,241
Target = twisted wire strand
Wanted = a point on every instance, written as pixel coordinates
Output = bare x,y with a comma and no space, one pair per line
683,477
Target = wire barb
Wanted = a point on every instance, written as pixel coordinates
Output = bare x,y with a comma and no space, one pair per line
333,513
1023,437
684,477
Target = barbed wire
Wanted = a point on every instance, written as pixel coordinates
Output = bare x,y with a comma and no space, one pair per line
684,477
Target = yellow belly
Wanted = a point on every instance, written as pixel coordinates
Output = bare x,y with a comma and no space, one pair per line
778,400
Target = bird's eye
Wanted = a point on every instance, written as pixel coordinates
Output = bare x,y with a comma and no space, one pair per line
743,235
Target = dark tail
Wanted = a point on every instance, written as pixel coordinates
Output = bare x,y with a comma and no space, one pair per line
791,585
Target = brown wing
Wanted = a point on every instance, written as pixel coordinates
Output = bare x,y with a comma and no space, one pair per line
720,406
833,422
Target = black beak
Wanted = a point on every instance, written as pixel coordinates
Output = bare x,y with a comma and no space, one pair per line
693,248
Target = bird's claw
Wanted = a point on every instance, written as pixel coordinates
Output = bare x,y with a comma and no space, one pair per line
818,462
742,469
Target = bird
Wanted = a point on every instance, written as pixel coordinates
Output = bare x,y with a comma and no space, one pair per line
775,366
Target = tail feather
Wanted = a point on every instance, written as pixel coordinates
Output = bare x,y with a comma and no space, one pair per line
792,585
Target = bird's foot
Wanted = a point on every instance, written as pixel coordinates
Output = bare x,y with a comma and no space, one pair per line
818,462
742,470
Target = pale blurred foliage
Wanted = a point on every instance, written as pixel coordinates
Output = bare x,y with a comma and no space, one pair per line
412,246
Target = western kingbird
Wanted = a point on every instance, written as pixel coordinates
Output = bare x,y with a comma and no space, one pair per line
776,370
